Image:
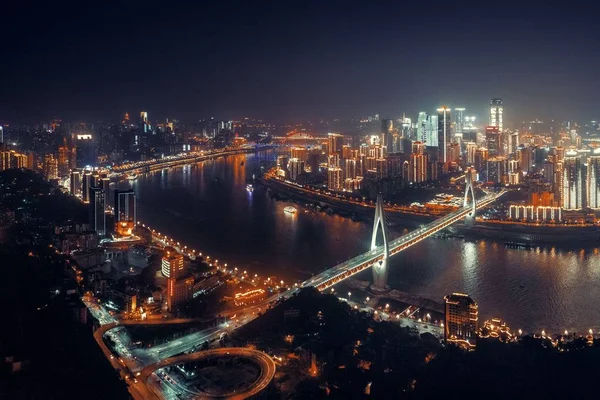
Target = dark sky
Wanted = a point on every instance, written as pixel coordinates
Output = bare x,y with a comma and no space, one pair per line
293,59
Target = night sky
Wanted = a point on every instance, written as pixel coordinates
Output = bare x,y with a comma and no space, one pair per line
285,59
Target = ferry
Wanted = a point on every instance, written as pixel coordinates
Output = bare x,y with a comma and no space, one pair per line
290,210
132,177
249,188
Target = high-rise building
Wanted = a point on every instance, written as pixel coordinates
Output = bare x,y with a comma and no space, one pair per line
301,153
387,135
422,127
87,183
496,110
593,180
525,157
296,167
125,206
63,160
469,131
351,169
460,121
461,320
86,150
50,167
571,182
75,185
144,121
98,210
335,143
334,179
5,160
513,142
496,169
179,291
172,265
493,141
471,151
417,171
443,133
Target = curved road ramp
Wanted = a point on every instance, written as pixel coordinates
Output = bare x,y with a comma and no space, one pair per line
225,373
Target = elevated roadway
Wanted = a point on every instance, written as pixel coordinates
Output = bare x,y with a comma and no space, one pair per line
266,364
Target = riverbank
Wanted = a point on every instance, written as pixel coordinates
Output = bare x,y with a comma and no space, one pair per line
517,234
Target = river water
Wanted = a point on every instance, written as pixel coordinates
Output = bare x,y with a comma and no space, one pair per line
207,207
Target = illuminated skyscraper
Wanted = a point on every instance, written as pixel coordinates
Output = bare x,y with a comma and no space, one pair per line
496,169
462,320
493,141
443,133
75,183
460,121
571,182
417,172
179,291
387,135
63,160
50,167
98,211
88,182
172,265
125,206
144,121
296,167
335,143
334,179
86,150
593,180
496,110
471,151
422,127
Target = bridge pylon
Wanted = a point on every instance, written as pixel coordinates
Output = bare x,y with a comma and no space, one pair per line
380,269
470,218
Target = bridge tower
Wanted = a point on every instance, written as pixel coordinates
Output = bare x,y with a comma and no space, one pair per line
380,269
470,218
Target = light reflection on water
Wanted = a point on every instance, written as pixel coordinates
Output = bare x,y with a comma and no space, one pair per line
207,207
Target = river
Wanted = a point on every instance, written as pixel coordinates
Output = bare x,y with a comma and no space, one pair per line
207,207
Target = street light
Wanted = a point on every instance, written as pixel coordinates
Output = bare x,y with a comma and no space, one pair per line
349,294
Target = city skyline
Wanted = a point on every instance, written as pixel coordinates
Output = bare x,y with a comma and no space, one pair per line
281,62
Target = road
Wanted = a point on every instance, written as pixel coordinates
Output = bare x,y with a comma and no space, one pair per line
264,361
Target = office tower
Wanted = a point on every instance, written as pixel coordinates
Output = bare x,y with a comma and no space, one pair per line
525,157
513,142
471,149
496,110
432,139
75,183
593,180
335,143
460,121
63,159
453,152
125,206
417,171
103,182
179,291
469,131
98,210
19,160
172,265
549,171
493,141
50,167
86,150
571,182
144,121
1,135
462,320
443,133
87,183
387,132
334,179
406,129
422,127
296,167
496,169
481,157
